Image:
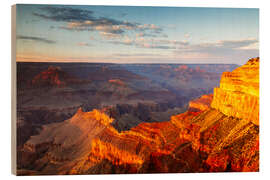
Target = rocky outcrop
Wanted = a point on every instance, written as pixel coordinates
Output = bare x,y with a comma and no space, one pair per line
49,77
54,76
117,82
64,140
238,94
200,104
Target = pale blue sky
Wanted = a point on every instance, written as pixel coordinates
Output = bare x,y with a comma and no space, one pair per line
123,34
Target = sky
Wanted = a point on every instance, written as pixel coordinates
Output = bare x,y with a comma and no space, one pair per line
130,34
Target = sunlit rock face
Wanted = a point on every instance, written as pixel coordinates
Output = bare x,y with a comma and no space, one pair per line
53,76
238,94
200,104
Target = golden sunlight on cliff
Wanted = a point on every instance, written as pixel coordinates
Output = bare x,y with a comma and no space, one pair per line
238,94
85,117
200,104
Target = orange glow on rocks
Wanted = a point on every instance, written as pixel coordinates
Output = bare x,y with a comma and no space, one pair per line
117,82
200,104
238,94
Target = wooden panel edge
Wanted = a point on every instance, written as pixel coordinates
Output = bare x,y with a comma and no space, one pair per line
13,93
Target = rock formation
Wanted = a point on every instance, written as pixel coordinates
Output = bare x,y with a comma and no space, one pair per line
50,77
117,82
238,94
200,104
54,76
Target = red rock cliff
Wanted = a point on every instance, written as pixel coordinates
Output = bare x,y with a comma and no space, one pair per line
238,94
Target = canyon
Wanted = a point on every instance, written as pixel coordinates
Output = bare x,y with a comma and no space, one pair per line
53,92
217,132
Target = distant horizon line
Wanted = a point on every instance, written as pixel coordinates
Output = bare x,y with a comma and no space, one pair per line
116,62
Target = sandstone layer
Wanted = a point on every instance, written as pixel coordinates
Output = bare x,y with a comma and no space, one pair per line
200,104
238,94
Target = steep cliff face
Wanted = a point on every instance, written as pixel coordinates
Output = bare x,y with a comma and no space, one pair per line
209,137
238,94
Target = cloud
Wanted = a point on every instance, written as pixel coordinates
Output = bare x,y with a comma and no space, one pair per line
109,35
187,35
153,35
141,34
160,43
219,47
172,42
65,14
231,50
83,44
253,46
38,39
149,27
236,43
85,20
142,42
103,24
124,55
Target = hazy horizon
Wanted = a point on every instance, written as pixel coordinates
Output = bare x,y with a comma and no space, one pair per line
93,62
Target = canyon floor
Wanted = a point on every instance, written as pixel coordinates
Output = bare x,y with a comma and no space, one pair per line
79,118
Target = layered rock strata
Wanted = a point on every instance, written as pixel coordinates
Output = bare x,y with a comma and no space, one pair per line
238,94
200,104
